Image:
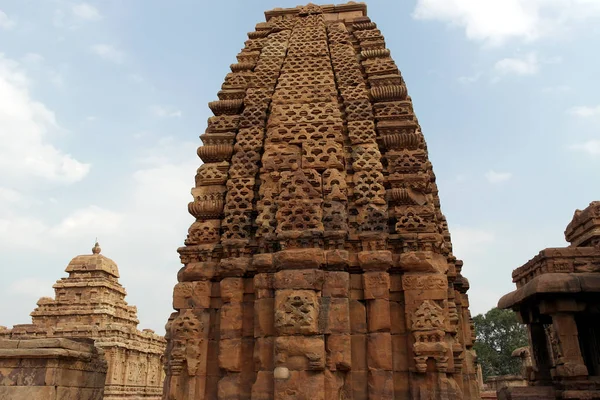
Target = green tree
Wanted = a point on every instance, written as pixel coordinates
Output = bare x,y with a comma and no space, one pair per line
498,335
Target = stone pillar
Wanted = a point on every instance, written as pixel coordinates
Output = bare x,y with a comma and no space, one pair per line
358,328
425,296
376,286
299,319
230,343
564,337
264,306
400,338
190,340
336,298
570,362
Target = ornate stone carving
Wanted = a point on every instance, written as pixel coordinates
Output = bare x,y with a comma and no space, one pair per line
328,174
296,312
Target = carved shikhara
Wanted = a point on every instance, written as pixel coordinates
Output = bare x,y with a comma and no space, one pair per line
318,200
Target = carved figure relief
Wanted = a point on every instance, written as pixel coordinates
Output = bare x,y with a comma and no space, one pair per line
296,312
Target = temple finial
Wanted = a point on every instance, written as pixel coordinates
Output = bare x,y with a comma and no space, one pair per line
96,249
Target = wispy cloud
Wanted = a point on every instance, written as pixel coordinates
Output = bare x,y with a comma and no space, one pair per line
497,177
6,22
585,111
109,53
527,65
591,147
33,58
165,112
85,11
465,80
557,89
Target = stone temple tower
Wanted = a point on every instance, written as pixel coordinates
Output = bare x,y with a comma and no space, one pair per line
319,265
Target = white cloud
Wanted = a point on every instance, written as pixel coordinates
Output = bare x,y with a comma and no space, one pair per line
86,11
585,111
142,236
9,195
165,112
85,220
108,52
497,177
591,147
25,125
6,22
496,21
527,65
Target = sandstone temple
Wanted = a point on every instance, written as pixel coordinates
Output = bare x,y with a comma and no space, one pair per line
90,304
320,265
558,297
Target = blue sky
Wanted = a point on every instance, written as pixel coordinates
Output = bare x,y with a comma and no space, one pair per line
102,103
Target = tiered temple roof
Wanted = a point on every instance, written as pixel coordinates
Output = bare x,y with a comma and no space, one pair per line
320,264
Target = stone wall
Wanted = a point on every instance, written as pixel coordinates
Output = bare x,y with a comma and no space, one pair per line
51,369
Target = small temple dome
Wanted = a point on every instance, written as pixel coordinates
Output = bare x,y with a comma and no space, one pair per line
93,262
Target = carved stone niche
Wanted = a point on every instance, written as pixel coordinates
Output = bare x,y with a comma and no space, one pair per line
296,312
212,174
334,185
428,326
204,232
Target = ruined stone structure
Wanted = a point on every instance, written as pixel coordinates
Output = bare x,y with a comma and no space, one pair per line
90,303
51,369
319,265
558,297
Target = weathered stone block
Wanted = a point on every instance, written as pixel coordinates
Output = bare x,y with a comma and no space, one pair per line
295,386
338,315
300,353
358,317
381,385
378,315
262,389
339,352
232,289
376,285
230,354
379,350
192,295
359,352
299,279
375,260
300,258
229,387
264,310
337,284
231,321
